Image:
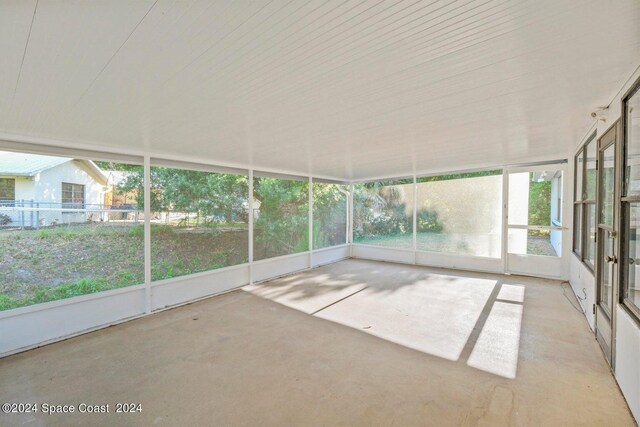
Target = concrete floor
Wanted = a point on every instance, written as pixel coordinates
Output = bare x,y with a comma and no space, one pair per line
386,345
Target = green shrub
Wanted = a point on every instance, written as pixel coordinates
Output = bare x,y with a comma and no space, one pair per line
44,234
428,222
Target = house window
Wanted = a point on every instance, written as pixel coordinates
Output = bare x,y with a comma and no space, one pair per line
72,196
630,268
584,202
7,191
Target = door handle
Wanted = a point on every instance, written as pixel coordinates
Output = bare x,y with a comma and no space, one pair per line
610,259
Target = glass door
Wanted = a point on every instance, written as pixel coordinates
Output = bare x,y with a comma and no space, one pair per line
606,241
534,226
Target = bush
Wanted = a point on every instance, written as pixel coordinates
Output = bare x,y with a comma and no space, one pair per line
428,222
4,219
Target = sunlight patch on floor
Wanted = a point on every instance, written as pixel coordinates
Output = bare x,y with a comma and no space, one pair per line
496,350
436,315
513,293
469,320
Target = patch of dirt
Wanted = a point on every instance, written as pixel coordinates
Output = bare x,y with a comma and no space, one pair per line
540,245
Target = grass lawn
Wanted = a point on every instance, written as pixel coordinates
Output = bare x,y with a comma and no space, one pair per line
55,263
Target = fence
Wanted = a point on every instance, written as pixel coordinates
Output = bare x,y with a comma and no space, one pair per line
33,215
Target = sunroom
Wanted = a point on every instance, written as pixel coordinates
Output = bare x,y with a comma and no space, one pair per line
319,213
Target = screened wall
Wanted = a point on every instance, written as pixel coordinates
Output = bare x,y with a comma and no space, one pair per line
281,216
383,213
199,221
330,213
78,226
68,228
460,214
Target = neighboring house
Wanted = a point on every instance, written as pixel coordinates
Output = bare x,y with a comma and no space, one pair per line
116,197
51,184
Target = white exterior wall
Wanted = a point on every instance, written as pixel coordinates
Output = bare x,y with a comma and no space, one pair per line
556,235
627,339
24,188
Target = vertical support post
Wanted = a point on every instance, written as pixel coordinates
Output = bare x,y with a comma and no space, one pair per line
310,222
38,216
347,210
351,220
22,214
250,208
31,214
505,220
415,219
147,233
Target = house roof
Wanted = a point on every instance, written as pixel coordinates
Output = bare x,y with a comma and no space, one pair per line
22,164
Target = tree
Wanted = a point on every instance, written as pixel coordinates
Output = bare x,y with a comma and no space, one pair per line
540,203
379,209
204,193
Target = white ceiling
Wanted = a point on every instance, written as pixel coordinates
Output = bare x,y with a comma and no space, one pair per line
351,90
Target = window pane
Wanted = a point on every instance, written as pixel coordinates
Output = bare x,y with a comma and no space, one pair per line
606,209
577,228
590,233
607,272
633,145
590,177
631,288
72,195
461,214
534,197
535,242
7,189
50,253
383,213
579,171
281,217
631,284
199,221
329,215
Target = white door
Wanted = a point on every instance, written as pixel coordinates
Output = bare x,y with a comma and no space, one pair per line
533,224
